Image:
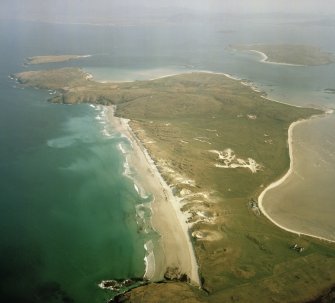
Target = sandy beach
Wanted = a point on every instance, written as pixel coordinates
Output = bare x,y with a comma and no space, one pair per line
265,59
282,179
175,249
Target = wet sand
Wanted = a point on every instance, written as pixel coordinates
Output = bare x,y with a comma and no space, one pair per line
289,202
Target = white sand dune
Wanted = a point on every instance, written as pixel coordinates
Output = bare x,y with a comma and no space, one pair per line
228,159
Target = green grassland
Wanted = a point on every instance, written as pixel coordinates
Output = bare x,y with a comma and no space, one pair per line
179,119
291,53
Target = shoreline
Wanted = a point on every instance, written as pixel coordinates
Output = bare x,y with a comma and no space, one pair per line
175,248
174,200
282,180
265,59
252,85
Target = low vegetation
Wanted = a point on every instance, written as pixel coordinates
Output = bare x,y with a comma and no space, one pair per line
191,124
51,59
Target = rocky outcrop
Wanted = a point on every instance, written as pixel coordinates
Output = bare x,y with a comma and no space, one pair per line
174,274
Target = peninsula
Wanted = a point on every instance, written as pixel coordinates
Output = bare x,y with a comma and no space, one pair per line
217,144
289,54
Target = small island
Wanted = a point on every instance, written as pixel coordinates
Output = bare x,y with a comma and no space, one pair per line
53,59
217,144
289,54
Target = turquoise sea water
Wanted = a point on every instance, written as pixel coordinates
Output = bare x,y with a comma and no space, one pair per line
67,211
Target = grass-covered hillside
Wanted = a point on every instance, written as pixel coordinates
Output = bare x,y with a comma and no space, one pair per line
218,144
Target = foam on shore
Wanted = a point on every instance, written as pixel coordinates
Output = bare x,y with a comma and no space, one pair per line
149,260
102,118
128,173
121,148
182,218
163,203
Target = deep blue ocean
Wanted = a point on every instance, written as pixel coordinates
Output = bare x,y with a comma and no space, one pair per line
67,211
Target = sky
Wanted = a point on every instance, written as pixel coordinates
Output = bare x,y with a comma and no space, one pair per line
263,6
30,9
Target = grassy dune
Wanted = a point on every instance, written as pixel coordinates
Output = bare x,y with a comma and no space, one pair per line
181,120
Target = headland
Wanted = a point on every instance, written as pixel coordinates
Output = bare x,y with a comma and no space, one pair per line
217,144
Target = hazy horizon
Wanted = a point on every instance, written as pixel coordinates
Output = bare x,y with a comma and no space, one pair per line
151,10
89,199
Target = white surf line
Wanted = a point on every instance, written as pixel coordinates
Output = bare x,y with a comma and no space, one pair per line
281,180
84,56
136,188
194,275
194,270
149,260
121,148
264,56
127,172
